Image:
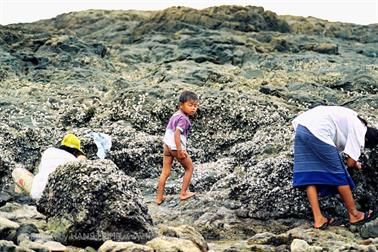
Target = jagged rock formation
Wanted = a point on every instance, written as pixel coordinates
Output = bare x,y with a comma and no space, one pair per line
120,72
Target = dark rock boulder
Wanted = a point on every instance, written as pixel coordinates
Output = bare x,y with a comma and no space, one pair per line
27,229
269,183
245,19
5,197
205,175
91,202
345,31
185,232
266,190
212,135
359,80
20,147
369,230
138,154
366,187
10,246
327,48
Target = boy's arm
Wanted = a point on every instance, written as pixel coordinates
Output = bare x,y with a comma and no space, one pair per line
180,152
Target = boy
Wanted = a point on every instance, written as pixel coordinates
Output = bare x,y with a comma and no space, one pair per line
175,140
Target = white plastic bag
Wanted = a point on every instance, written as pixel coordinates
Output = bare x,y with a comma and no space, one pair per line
103,142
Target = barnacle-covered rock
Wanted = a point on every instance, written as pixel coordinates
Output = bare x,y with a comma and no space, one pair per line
92,202
266,190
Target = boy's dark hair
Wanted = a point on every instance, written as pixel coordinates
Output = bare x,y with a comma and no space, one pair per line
188,95
371,138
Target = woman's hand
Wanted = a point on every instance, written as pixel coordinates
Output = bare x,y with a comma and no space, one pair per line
351,163
358,165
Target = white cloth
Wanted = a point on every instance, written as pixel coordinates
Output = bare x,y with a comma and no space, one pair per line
337,126
51,159
103,142
169,139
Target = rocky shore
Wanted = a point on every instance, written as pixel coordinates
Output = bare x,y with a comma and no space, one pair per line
120,73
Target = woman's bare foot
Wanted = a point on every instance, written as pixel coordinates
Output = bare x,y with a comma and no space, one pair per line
159,200
319,223
187,195
324,224
359,217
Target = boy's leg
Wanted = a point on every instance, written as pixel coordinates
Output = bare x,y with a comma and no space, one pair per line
23,179
346,195
312,196
167,165
188,166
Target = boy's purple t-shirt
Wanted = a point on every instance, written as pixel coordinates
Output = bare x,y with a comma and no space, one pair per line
181,121
178,121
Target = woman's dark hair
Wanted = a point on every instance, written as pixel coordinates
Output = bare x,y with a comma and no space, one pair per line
362,120
188,95
73,151
371,138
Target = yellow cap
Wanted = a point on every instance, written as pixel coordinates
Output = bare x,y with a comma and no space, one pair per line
70,140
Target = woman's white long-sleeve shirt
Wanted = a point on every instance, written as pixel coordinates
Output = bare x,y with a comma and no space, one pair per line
337,126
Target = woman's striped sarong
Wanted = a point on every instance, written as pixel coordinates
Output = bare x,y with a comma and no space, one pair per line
318,163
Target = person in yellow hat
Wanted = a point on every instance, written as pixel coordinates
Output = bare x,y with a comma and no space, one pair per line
69,150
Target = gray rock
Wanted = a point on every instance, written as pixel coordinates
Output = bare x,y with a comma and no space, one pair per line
10,246
267,238
206,175
34,246
42,246
111,246
105,201
327,48
245,247
136,153
268,183
5,223
19,212
4,198
370,229
171,244
27,229
185,232
8,229
300,246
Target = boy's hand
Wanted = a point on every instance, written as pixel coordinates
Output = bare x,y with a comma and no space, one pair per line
181,154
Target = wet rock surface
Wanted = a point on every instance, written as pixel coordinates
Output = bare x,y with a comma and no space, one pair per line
121,72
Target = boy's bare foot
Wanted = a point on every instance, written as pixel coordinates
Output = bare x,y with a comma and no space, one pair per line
160,200
187,195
